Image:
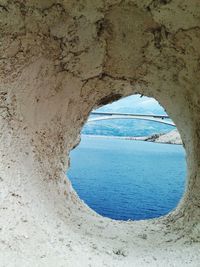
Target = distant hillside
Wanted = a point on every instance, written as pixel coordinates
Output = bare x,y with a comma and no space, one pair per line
125,128
128,128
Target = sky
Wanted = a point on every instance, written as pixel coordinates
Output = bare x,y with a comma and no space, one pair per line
134,104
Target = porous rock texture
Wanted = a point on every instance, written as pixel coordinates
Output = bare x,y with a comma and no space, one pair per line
59,60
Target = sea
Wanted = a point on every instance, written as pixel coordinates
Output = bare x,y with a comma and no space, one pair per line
127,179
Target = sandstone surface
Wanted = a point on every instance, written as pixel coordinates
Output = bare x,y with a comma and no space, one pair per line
59,59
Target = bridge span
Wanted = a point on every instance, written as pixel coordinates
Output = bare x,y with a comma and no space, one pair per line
114,116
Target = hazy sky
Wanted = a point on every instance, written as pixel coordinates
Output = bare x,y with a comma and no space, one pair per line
135,104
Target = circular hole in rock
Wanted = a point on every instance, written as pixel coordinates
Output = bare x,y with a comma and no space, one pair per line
124,167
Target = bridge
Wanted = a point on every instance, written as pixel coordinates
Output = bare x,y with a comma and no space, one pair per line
114,116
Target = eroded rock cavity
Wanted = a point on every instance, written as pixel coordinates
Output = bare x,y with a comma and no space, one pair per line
58,60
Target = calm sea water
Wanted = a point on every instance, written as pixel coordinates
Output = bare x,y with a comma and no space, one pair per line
125,179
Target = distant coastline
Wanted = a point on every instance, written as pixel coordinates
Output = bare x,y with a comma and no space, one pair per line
172,137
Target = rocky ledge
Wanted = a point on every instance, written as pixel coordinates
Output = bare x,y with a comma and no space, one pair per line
172,137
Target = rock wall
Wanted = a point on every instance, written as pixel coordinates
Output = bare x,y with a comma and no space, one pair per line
58,60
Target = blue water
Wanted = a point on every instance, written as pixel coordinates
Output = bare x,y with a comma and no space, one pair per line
126,179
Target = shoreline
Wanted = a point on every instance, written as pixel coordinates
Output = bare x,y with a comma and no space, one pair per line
133,138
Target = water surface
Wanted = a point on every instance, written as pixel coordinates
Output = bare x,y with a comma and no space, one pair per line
126,179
